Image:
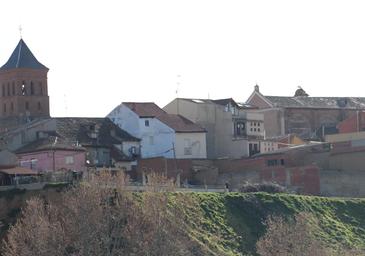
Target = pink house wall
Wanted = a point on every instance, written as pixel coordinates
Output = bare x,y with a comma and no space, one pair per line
43,161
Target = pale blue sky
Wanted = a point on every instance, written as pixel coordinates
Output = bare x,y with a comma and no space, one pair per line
101,53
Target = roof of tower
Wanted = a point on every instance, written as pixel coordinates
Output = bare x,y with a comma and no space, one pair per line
22,57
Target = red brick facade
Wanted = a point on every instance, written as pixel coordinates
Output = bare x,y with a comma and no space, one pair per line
355,123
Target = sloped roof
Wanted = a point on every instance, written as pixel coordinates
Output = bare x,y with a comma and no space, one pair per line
144,109
225,102
317,102
22,57
180,123
176,122
49,143
18,171
79,129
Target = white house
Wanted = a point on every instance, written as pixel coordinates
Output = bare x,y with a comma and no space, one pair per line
161,134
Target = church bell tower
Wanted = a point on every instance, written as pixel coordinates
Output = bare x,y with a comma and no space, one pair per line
23,86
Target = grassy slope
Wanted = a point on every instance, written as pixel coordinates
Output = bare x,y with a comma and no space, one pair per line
233,222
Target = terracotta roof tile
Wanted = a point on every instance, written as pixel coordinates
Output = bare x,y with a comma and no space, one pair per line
180,123
144,109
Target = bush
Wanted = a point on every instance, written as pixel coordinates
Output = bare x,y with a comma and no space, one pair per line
264,187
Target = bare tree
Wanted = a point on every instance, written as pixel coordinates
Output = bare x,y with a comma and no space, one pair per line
100,217
290,238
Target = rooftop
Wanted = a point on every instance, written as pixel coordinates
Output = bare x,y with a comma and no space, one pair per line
144,109
22,57
180,123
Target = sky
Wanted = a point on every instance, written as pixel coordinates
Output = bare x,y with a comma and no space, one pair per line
102,53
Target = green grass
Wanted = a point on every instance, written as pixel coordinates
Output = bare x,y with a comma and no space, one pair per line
231,223
235,220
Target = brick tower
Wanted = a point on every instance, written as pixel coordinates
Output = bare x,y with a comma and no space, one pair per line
23,87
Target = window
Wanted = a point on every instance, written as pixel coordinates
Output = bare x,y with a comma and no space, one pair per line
13,88
12,106
187,147
24,90
272,162
69,159
39,106
26,105
3,90
146,123
240,128
8,89
31,88
4,108
40,88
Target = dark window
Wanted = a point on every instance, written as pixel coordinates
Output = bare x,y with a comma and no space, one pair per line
13,88
4,108
282,162
146,123
26,105
40,88
24,90
12,106
31,88
258,124
8,89
3,90
39,106
240,128
272,162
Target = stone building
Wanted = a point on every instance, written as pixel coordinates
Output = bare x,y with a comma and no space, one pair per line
308,117
23,88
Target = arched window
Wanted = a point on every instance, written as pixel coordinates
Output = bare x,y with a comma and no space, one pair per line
24,90
40,88
31,88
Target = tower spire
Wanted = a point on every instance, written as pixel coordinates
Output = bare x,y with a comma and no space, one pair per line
20,31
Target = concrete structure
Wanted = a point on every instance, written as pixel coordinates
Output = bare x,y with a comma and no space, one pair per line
24,89
309,117
161,134
233,130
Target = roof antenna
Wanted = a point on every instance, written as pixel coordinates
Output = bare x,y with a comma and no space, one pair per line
20,31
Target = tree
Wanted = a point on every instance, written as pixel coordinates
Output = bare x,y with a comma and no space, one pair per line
289,238
101,217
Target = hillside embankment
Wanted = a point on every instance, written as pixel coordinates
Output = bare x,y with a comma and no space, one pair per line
232,223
